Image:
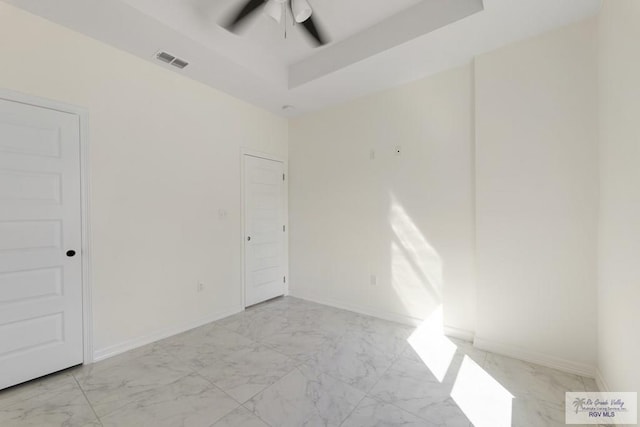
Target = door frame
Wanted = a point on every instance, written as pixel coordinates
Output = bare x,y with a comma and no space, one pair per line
83,116
285,247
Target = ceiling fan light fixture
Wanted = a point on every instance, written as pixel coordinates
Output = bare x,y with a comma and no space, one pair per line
301,10
273,9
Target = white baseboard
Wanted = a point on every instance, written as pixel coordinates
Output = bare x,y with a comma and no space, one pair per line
450,331
553,362
131,344
602,384
461,334
361,309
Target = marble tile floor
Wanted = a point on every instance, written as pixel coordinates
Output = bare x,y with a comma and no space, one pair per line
287,362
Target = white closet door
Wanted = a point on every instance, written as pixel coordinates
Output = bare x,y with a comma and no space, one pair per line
264,229
40,229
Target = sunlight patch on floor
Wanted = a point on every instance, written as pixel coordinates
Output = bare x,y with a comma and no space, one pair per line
433,347
482,399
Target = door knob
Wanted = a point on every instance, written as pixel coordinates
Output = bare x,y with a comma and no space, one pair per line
248,238
71,253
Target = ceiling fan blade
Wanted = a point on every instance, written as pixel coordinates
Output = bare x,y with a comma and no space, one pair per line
244,12
315,32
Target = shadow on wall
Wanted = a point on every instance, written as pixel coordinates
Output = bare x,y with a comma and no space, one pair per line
417,279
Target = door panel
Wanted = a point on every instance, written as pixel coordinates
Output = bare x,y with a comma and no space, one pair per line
40,219
264,233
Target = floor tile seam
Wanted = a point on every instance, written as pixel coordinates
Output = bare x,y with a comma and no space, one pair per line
256,415
321,371
77,380
393,362
255,394
333,377
35,395
240,404
145,390
378,399
240,351
270,385
540,400
274,349
395,405
229,328
318,410
178,360
353,410
380,348
481,365
86,398
251,338
392,403
94,367
215,386
264,390
223,358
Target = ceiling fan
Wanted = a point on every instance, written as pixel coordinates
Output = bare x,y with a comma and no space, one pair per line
276,9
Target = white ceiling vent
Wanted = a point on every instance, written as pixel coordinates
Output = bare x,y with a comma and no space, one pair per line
170,59
179,63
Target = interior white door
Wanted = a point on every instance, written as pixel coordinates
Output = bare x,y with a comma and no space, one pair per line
40,224
264,229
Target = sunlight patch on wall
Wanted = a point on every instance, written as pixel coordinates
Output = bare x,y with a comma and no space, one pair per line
418,300
424,259
416,267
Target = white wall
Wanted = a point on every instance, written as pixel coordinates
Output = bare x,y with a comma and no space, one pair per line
619,270
406,219
165,157
165,149
536,191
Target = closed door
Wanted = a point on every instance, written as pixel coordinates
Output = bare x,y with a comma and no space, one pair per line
40,229
264,229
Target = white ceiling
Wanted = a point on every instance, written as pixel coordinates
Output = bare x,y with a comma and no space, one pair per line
198,20
375,44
